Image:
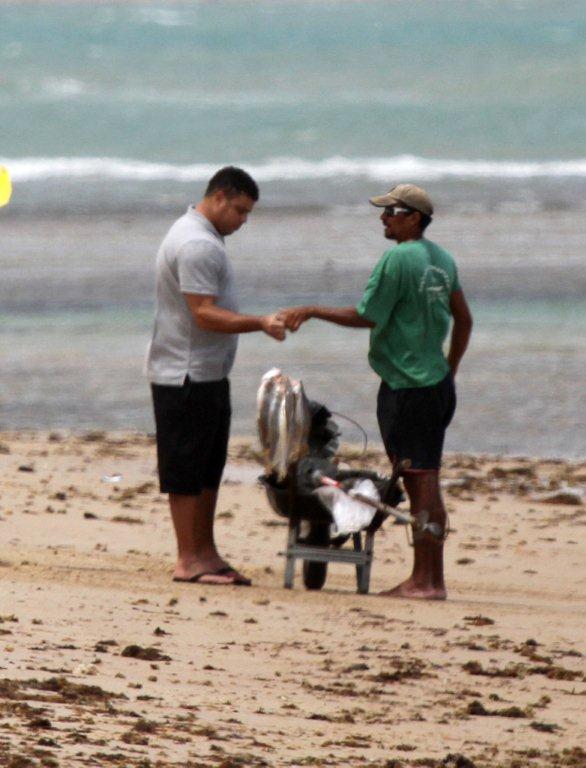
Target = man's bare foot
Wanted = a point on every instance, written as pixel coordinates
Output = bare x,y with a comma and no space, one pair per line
411,591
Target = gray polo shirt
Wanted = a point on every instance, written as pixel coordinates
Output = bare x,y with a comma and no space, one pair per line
192,259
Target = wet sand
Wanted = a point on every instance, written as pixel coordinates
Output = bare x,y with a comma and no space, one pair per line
105,661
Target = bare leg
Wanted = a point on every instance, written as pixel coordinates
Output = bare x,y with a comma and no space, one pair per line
427,579
193,520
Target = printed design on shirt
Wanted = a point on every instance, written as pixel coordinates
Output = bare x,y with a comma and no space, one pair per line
435,283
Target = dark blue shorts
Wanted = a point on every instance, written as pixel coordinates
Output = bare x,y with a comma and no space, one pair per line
193,427
413,422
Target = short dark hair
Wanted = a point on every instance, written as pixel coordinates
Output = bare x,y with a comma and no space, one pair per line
233,181
424,221
424,218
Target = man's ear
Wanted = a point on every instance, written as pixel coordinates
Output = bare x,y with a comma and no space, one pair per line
219,198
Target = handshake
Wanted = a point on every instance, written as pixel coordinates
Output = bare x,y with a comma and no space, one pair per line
277,324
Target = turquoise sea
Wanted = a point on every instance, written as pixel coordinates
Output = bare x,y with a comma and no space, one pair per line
113,116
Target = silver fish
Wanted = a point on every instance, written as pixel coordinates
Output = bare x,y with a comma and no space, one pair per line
283,422
301,424
283,431
263,404
273,436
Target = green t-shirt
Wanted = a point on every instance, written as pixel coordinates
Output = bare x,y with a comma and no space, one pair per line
408,299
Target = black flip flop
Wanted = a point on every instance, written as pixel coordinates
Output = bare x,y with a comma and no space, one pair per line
197,579
237,578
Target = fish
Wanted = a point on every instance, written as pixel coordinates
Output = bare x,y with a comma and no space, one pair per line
273,440
283,422
263,404
284,397
299,445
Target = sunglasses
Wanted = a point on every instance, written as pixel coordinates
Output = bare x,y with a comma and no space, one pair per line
393,210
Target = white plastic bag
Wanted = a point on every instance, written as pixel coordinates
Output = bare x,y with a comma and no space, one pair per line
350,515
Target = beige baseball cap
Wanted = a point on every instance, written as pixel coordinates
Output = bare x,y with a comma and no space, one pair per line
405,194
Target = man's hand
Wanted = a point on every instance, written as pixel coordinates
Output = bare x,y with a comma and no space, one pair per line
274,326
346,316
295,316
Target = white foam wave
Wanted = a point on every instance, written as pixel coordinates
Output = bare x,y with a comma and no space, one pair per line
293,169
63,88
164,17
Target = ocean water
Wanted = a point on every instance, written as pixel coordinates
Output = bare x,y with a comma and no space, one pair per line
114,115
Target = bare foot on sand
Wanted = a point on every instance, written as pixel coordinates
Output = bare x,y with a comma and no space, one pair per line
409,590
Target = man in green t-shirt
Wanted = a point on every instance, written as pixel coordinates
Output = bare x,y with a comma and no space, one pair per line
411,297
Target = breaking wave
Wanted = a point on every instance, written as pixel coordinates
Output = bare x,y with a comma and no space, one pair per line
292,169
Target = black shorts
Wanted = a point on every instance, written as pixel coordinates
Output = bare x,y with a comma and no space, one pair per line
193,427
413,422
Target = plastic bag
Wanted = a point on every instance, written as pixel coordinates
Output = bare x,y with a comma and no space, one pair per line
350,515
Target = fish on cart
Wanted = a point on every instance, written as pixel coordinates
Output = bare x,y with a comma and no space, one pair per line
283,421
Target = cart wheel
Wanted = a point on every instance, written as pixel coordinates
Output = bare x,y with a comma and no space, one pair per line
314,574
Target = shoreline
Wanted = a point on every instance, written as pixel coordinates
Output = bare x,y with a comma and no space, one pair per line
105,661
245,446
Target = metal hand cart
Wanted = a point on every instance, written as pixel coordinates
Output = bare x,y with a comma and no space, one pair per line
309,535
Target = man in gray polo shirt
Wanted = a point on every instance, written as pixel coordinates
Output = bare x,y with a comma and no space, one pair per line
190,357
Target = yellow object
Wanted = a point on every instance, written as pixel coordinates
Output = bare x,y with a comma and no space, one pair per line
5,186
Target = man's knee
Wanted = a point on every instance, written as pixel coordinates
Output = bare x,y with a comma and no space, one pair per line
424,483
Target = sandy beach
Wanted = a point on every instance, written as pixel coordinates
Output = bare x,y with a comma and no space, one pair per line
106,662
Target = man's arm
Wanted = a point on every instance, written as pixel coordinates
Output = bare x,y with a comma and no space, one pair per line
209,317
347,316
461,330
